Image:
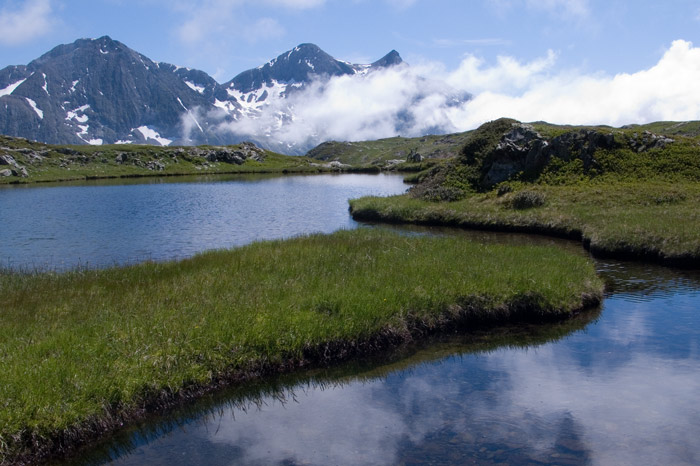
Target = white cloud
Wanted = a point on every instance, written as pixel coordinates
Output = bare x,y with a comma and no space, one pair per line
396,100
509,73
666,91
25,22
399,100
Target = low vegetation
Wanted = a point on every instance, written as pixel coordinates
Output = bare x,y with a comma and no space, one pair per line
406,154
23,161
85,351
625,192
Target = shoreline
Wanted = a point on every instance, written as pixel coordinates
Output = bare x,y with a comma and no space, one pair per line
392,211
71,441
272,171
169,333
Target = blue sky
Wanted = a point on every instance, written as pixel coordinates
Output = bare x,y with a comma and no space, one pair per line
515,54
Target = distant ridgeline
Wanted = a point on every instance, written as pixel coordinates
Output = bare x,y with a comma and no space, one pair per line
102,92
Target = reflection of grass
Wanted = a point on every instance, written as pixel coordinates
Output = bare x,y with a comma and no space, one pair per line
653,219
86,350
285,388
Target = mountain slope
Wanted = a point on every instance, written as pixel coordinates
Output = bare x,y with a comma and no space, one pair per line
99,91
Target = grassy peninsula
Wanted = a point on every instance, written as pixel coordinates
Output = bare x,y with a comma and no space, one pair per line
23,161
625,192
85,351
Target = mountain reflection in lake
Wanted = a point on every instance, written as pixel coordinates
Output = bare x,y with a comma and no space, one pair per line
616,386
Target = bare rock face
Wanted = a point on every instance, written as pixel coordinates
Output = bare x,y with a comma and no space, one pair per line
519,149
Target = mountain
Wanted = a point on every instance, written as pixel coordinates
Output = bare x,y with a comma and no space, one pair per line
99,91
94,92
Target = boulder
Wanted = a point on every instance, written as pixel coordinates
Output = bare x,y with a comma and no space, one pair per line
21,172
414,157
5,172
7,159
155,165
121,157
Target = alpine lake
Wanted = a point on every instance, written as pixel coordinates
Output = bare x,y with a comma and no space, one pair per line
615,385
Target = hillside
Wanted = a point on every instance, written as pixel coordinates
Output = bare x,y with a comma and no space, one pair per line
24,161
383,151
99,91
625,192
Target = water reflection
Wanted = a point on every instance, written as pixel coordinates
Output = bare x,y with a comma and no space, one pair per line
619,387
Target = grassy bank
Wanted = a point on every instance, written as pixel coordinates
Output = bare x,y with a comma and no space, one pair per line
626,192
652,220
85,351
32,162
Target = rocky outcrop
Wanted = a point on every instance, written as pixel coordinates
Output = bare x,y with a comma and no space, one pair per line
238,155
16,170
523,149
648,140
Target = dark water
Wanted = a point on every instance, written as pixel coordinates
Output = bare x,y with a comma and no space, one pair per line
105,223
618,385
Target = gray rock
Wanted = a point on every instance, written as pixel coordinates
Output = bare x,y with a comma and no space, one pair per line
524,150
155,165
648,141
7,159
122,157
238,156
5,172
414,157
21,172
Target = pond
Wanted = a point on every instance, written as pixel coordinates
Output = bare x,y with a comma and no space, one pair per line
102,223
616,385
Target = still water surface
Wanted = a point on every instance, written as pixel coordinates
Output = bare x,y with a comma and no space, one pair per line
104,223
618,385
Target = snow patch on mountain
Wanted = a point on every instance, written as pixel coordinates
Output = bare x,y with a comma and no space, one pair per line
73,114
194,87
149,133
38,111
11,88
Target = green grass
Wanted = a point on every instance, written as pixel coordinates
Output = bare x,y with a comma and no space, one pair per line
68,163
85,350
380,151
653,219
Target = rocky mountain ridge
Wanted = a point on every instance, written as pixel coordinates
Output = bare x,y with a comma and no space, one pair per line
99,91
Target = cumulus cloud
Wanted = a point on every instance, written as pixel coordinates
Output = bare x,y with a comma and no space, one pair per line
666,91
25,22
401,100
